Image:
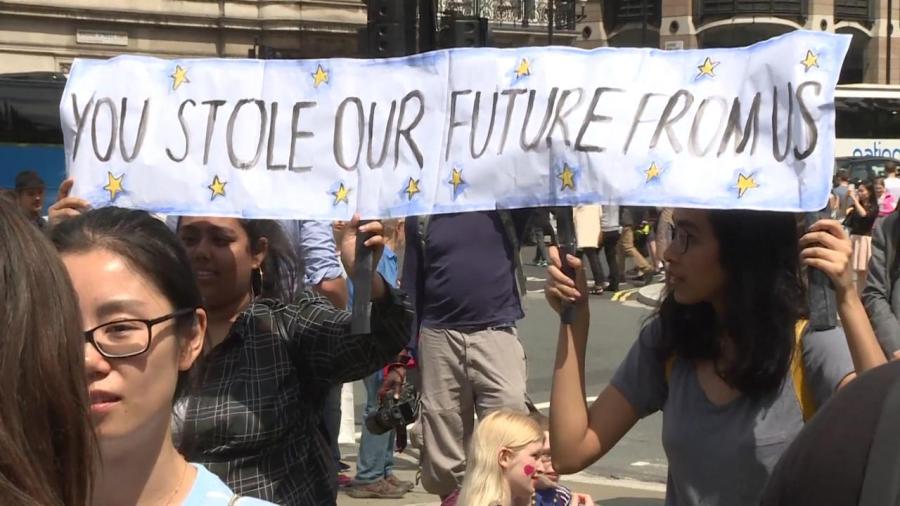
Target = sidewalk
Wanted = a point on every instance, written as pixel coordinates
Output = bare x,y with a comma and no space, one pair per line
651,294
605,491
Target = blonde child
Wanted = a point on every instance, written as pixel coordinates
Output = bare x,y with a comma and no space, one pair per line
504,458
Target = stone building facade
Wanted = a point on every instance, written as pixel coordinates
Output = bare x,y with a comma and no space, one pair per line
46,35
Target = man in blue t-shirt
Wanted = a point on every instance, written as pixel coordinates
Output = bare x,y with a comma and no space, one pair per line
462,272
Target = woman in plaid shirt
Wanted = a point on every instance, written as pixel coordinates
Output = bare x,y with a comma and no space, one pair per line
253,412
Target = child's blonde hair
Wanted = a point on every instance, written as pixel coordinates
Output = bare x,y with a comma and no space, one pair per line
484,484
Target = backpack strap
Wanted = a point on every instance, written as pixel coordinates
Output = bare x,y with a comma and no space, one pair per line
798,373
509,227
670,364
422,229
881,483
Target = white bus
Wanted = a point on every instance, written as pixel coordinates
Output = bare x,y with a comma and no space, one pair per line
867,120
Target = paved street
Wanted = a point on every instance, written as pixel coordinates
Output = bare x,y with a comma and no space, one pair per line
634,472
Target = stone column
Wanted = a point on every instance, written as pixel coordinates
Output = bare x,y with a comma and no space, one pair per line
875,66
821,16
677,25
591,32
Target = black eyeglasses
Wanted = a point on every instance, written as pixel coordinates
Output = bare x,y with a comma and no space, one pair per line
129,337
681,241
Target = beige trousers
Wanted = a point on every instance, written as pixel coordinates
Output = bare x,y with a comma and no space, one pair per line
463,374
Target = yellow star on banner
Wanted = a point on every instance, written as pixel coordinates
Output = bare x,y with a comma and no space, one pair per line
217,187
524,68
179,77
114,185
652,172
745,183
811,60
456,179
412,188
340,195
567,177
708,67
319,76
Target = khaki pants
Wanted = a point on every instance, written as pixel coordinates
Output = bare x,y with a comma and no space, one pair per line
628,249
463,374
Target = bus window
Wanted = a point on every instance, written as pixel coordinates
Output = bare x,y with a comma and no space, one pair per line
867,118
30,133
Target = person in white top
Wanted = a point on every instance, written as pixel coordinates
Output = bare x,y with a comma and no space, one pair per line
145,327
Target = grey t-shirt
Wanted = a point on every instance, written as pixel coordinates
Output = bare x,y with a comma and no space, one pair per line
723,455
843,197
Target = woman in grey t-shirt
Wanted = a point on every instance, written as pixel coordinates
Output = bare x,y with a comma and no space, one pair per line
717,356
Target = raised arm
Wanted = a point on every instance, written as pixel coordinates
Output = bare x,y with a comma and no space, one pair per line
827,248
321,333
579,435
326,351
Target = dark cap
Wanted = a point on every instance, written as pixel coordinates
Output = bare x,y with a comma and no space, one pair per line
28,179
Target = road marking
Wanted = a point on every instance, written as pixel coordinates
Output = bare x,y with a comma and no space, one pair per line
588,479
641,463
622,295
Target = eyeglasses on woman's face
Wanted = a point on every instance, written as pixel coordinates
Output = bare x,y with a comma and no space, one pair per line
127,337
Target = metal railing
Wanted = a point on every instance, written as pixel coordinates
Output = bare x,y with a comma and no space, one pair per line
514,13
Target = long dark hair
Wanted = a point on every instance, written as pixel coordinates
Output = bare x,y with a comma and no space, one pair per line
46,440
147,244
764,297
282,269
871,204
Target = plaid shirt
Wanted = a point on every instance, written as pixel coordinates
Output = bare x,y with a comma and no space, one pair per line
254,410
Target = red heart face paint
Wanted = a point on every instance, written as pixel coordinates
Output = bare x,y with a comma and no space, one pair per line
529,470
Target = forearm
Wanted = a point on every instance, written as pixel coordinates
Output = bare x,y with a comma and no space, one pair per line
379,287
568,394
335,290
864,347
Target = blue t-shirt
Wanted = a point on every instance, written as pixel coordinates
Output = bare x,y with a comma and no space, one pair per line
466,278
209,490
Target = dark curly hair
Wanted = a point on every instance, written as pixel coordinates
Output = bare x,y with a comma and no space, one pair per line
764,297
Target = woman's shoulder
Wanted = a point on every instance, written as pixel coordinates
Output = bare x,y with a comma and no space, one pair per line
209,490
651,331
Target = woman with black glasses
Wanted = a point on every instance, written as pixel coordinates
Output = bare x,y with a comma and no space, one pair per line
146,328
728,357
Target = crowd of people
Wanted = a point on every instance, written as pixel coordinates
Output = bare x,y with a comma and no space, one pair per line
199,360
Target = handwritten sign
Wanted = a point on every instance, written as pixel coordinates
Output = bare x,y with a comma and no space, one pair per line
458,130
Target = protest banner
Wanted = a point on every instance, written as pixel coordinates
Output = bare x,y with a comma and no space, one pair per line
458,130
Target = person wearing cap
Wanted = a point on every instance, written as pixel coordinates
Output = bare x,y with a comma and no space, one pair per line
30,195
